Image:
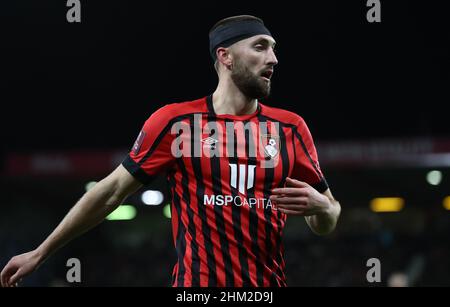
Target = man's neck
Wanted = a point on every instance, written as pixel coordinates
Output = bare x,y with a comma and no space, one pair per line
228,99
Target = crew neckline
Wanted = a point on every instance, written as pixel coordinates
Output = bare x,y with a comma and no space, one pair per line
209,103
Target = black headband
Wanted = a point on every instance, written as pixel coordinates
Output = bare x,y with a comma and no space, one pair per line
228,34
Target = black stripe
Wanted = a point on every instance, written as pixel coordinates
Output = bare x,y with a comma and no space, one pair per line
293,143
206,231
174,276
274,280
278,121
195,266
297,134
181,240
283,270
268,182
134,169
220,223
236,217
253,219
209,105
284,173
285,163
321,186
163,133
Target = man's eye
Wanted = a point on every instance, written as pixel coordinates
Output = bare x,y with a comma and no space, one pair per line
259,47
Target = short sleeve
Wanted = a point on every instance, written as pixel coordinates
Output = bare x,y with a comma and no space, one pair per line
307,168
151,153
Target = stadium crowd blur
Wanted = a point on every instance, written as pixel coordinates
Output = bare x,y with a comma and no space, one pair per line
413,245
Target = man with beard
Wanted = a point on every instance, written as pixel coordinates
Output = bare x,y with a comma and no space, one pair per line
238,178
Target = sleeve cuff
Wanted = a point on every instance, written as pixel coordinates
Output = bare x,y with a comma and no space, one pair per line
136,171
321,186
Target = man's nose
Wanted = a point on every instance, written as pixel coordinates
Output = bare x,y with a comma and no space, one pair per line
272,58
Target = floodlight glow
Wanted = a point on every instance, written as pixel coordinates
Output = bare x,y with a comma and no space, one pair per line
446,203
434,177
152,198
122,213
387,204
166,211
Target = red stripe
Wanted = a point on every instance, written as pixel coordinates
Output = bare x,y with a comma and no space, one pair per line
193,185
187,259
240,139
227,211
185,222
245,210
275,235
175,229
273,266
259,194
174,275
211,222
174,218
245,220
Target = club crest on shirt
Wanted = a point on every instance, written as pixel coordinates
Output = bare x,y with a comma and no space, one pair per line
138,143
271,144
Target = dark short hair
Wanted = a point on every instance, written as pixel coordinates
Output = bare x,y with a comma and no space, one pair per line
232,29
234,19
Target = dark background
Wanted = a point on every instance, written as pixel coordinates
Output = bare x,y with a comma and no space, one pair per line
90,86
93,84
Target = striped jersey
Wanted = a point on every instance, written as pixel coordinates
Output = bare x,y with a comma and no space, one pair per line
221,170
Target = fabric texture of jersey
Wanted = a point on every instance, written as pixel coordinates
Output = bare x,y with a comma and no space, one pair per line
221,170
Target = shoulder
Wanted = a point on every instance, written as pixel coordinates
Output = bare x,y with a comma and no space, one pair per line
281,115
177,110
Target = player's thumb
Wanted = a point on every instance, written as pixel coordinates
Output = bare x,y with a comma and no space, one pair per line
295,183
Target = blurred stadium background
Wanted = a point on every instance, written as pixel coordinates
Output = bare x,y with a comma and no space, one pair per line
74,97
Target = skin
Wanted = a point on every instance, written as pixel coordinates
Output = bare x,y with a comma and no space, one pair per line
246,59
89,211
243,64
241,82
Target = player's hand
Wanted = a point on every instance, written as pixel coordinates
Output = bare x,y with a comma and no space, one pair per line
299,198
19,267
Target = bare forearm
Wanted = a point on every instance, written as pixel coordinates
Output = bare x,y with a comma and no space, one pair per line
89,211
325,222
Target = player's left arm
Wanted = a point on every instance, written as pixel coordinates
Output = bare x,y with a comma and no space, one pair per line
320,210
325,222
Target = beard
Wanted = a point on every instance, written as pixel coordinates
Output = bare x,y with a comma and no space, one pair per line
251,85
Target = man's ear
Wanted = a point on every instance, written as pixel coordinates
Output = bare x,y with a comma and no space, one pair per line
224,56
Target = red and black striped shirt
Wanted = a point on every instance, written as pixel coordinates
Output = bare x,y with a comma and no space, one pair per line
221,170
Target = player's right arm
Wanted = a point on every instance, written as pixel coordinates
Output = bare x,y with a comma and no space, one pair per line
89,211
151,155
